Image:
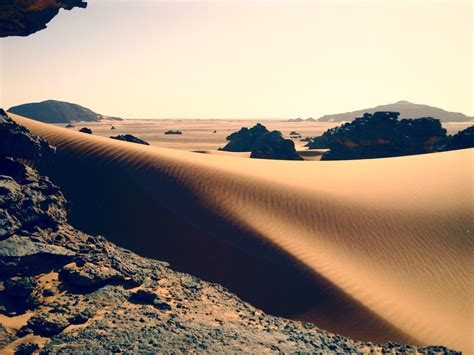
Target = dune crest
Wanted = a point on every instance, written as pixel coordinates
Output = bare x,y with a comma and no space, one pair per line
373,249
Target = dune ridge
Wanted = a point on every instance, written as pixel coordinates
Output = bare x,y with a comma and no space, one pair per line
373,249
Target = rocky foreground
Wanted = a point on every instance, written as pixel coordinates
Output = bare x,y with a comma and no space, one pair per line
62,290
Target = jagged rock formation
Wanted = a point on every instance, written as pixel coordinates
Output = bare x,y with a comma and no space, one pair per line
262,144
24,17
380,135
406,110
53,111
62,290
130,138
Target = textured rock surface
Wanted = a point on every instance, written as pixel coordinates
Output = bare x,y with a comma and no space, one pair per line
63,290
16,141
24,17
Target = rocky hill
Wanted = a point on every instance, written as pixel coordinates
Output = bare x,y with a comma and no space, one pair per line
64,290
53,111
406,110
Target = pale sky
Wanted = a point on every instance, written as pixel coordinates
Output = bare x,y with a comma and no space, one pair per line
245,59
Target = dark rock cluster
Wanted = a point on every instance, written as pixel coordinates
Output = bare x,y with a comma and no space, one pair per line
174,132
262,143
130,138
24,17
83,294
461,140
380,135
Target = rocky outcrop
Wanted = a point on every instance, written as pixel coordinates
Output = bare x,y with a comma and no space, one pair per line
16,141
262,143
24,17
380,135
130,138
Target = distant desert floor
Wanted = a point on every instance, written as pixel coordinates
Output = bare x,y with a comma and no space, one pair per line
198,134
376,249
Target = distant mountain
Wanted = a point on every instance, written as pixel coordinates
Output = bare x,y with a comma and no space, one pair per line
406,109
299,119
52,111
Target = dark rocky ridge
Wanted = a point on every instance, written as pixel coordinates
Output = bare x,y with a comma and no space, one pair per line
84,294
53,111
24,17
262,144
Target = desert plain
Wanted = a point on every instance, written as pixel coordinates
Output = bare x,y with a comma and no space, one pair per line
376,249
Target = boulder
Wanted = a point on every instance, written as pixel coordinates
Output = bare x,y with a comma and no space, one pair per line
86,130
23,256
130,138
45,325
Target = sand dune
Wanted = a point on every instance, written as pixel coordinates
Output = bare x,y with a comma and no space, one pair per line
373,249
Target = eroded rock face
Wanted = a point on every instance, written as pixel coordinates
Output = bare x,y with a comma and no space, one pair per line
24,17
262,144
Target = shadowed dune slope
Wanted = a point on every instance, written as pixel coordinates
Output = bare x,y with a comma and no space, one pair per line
373,249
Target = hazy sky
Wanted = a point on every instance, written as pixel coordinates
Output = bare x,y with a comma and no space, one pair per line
245,59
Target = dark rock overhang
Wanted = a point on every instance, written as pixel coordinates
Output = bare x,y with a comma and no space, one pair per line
24,17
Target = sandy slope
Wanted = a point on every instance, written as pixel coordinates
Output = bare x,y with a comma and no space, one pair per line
373,249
